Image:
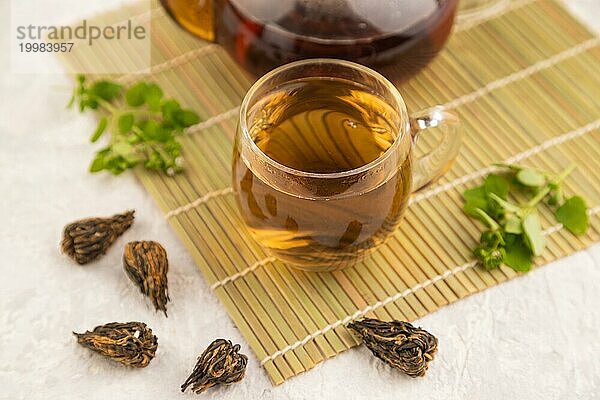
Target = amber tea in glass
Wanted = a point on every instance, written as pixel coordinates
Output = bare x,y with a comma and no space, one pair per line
323,163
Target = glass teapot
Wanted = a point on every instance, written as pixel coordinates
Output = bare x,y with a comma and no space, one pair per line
396,37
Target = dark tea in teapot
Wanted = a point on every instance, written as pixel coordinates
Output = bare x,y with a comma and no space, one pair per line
397,37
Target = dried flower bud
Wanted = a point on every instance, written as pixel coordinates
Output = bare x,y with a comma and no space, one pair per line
130,343
219,364
146,264
398,343
87,239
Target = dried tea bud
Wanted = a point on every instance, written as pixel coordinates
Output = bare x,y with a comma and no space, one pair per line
398,343
219,364
87,239
146,265
130,343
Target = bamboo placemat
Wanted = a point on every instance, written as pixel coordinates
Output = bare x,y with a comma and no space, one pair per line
525,83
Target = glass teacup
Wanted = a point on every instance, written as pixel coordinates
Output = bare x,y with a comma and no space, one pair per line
323,162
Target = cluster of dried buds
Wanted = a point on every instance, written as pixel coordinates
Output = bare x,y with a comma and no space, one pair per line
145,262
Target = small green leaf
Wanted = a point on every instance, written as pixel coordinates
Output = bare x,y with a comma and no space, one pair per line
150,129
106,90
152,96
573,215
517,255
163,134
186,118
122,149
126,122
135,94
513,225
98,163
99,129
475,198
88,103
169,108
531,178
532,230
497,185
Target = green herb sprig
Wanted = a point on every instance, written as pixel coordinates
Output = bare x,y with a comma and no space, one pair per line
143,128
513,234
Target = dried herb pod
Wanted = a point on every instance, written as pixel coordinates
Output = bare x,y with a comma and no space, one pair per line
146,264
130,343
219,364
87,239
398,343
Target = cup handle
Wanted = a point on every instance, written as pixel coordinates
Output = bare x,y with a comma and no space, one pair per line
432,165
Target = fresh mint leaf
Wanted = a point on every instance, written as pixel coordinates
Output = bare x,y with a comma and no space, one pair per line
186,118
530,178
168,109
164,133
135,94
153,96
150,129
87,102
126,122
532,231
99,129
475,198
105,90
144,130
573,215
497,185
98,163
517,254
514,234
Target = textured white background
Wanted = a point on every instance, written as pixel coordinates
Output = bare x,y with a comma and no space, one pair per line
536,337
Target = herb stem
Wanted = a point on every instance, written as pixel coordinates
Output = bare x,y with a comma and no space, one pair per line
544,192
107,106
488,220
